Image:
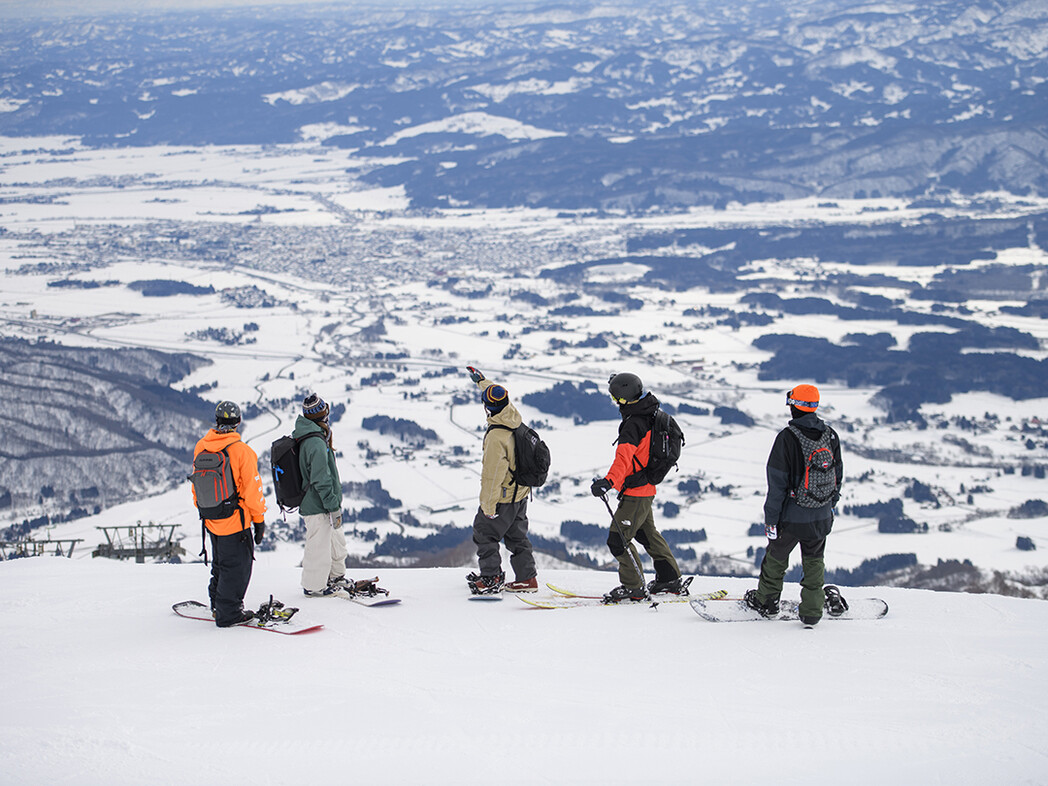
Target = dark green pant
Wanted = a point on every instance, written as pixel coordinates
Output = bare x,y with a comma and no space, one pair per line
633,520
777,560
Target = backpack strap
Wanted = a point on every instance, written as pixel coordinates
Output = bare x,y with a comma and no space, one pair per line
299,441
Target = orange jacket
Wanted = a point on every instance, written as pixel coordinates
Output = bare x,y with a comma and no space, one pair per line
633,445
628,459
244,462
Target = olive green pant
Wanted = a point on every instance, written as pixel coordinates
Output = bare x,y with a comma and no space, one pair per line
776,562
633,521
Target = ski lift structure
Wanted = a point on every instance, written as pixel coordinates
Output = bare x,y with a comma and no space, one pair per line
139,541
30,547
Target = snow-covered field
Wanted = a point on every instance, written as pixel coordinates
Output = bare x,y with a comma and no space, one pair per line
105,685
313,339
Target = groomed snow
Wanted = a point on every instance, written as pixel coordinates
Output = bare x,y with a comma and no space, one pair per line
105,685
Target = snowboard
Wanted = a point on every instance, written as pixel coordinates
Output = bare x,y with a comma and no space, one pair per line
735,610
367,600
488,596
194,610
368,594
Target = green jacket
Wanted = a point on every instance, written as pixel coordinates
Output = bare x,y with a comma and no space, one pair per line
319,472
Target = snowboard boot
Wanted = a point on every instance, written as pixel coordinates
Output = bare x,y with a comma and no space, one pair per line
677,586
327,592
531,585
243,616
623,593
810,622
485,585
835,604
768,608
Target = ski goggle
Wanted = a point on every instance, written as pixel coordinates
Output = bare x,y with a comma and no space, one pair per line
796,402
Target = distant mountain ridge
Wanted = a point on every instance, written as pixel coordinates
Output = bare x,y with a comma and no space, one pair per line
592,106
85,429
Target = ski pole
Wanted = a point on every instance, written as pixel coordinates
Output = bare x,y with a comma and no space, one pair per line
626,545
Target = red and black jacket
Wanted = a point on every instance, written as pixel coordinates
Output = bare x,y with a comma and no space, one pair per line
632,446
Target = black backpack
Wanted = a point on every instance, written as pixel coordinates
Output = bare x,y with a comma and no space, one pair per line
667,439
287,475
213,484
818,487
531,456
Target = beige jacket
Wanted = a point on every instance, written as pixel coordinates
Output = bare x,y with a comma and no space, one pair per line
496,482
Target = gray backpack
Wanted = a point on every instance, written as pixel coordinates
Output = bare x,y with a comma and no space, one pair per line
215,487
818,487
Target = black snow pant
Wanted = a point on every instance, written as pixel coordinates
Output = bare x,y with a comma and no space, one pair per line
231,558
510,525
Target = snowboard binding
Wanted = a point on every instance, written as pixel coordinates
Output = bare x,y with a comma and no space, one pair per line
835,604
485,585
273,611
366,588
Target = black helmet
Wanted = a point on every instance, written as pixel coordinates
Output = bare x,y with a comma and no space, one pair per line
227,414
625,388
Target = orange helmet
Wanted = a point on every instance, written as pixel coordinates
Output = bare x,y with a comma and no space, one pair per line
803,397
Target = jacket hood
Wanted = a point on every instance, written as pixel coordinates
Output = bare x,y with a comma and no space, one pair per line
508,417
215,441
303,426
645,406
810,422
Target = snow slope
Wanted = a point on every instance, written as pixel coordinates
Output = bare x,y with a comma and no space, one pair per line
104,684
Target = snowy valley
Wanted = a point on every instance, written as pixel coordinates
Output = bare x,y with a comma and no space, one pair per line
725,200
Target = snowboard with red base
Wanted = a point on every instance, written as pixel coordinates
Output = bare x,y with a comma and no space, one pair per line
288,625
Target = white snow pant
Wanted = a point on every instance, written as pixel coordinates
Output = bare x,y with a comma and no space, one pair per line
325,556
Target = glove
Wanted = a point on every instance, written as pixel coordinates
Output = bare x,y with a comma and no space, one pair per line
336,519
260,531
771,531
474,374
600,487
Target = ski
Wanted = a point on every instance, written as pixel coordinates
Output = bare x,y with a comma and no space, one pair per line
738,611
194,610
568,593
582,601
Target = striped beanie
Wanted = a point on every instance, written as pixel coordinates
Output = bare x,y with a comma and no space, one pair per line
495,398
315,408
